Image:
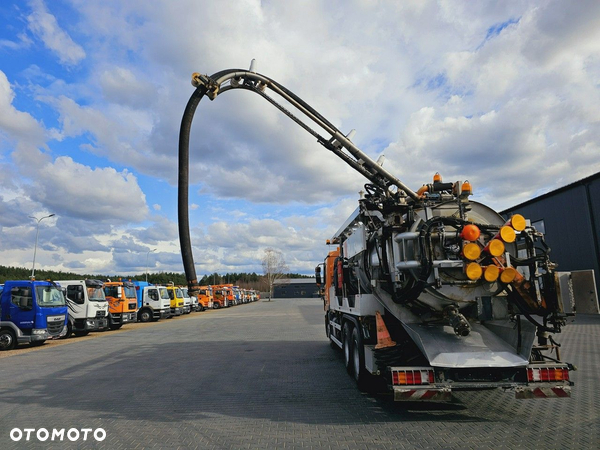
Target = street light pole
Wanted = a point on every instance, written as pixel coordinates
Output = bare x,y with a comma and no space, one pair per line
147,254
37,232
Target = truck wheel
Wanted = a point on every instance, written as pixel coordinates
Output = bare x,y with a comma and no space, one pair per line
69,331
81,333
8,341
145,315
347,341
37,343
114,326
363,378
216,305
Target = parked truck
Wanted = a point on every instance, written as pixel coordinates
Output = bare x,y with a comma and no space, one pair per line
222,296
122,301
31,312
195,305
87,306
177,301
205,297
428,290
154,302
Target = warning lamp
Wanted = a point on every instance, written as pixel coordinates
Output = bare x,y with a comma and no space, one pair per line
471,251
507,234
470,232
466,188
518,222
491,273
495,247
437,178
473,271
508,275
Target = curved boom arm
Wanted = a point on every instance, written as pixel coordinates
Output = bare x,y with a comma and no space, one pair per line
333,139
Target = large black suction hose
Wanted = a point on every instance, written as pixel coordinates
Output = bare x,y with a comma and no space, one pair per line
183,190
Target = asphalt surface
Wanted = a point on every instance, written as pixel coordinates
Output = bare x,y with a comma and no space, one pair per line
263,375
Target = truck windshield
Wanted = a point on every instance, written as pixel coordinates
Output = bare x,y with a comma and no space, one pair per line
96,294
48,296
130,292
185,293
164,294
178,293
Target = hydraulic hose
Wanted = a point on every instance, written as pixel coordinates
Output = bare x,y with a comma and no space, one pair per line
183,189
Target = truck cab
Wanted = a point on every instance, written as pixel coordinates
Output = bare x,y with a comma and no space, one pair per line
195,305
122,303
177,301
31,312
205,297
220,297
154,302
87,305
187,302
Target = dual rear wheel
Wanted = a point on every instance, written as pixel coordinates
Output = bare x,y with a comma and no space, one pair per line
354,356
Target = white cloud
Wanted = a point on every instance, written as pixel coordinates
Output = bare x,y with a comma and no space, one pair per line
102,194
14,124
45,27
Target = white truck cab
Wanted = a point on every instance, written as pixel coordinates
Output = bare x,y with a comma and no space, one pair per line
87,306
154,302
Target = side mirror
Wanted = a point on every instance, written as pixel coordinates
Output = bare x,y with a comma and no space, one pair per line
318,275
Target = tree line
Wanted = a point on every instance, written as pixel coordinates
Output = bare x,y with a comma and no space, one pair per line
242,279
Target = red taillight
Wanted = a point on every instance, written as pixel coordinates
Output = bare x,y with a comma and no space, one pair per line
412,376
547,374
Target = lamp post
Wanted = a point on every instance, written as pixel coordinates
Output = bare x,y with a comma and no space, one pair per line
37,232
148,254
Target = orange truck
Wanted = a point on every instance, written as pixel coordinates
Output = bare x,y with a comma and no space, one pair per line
222,296
122,303
205,297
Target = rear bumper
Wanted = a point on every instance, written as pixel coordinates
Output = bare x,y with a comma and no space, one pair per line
422,394
547,391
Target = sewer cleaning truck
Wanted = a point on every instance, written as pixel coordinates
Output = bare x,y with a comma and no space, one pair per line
31,312
427,290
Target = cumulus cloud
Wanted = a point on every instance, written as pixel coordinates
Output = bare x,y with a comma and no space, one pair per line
17,125
45,26
100,194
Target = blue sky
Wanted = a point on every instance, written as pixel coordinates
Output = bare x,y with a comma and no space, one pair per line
503,94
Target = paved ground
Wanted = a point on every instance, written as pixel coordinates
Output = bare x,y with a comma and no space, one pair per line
263,376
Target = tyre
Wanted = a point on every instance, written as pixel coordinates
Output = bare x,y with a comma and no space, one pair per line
145,315
347,348
361,375
37,343
114,326
69,330
81,333
8,340
216,305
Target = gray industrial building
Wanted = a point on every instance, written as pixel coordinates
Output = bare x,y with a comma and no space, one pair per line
295,288
570,218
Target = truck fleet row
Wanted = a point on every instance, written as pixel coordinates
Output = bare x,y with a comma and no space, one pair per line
36,311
